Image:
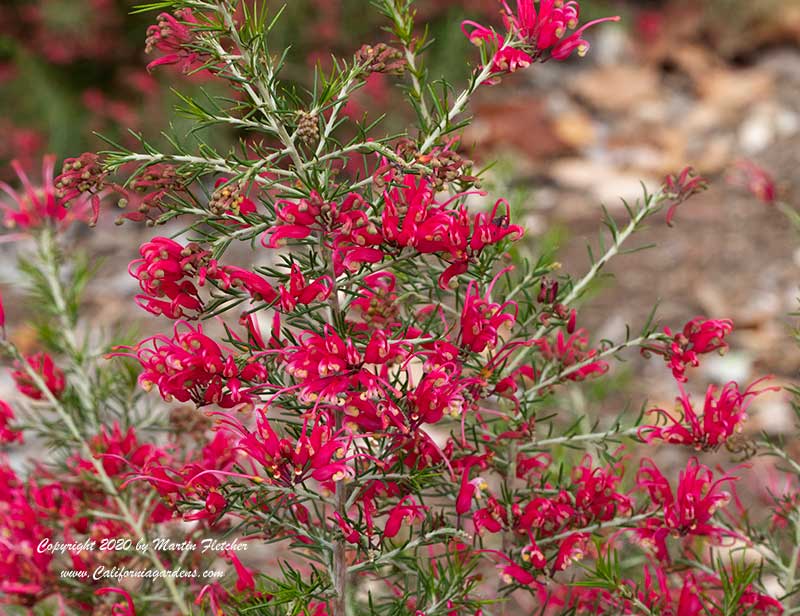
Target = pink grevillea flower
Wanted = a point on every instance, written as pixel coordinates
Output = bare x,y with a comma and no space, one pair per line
572,354
81,179
171,275
689,594
163,273
679,187
506,59
596,492
245,580
517,574
173,36
570,550
192,366
344,227
317,452
2,316
532,467
548,29
699,336
412,218
376,301
329,368
197,480
24,571
481,318
230,276
508,386
688,511
533,555
39,206
469,490
44,366
119,609
722,416
217,597
755,179
351,534
405,512
542,34
300,291
7,433
118,450
491,518
595,498
547,516
442,391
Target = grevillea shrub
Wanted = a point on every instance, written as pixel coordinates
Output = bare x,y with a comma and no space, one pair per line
358,377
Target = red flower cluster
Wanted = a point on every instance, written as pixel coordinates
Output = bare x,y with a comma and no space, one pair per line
316,453
679,187
481,319
575,358
24,571
170,276
411,217
699,336
192,366
42,205
721,418
592,497
541,34
173,36
695,594
7,433
688,511
44,366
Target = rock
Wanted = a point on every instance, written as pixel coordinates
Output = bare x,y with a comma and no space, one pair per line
618,88
767,123
733,366
604,181
521,124
735,90
576,129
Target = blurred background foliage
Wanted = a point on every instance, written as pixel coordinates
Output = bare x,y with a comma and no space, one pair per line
69,68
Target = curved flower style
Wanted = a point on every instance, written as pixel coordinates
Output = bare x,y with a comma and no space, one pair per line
119,609
688,511
721,418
